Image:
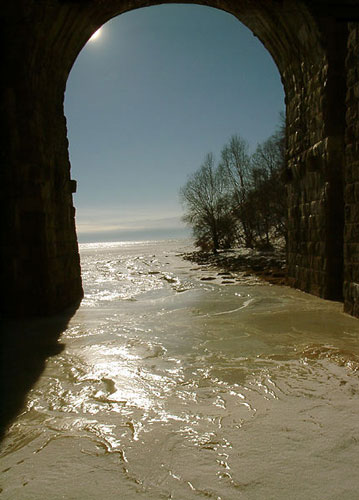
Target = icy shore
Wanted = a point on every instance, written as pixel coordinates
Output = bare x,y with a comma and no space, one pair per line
241,265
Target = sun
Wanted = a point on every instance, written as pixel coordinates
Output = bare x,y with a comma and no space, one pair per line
95,35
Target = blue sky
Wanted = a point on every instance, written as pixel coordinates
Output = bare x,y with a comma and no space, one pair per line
146,100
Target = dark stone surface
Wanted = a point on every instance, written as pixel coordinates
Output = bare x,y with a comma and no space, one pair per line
315,45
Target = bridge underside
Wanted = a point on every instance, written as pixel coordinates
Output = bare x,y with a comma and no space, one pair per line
315,45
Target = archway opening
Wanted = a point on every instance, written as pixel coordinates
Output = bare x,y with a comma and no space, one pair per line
147,98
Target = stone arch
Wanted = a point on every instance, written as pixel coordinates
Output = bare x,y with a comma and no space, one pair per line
309,44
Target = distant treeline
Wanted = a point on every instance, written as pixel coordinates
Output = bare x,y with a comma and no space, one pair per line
242,200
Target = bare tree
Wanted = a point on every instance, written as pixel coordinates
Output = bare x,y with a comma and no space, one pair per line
236,163
244,197
268,162
207,206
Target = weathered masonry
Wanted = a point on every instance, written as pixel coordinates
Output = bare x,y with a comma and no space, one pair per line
315,45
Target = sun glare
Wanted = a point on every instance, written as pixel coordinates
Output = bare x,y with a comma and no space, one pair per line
96,34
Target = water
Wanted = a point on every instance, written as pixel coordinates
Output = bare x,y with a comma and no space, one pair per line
167,386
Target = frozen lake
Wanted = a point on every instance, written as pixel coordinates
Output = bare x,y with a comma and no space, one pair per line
165,386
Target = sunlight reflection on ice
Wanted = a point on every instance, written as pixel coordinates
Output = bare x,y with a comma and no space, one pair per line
214,393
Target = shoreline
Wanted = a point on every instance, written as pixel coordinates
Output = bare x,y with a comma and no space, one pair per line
242,264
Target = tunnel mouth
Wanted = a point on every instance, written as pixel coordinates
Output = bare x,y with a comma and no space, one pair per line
316,58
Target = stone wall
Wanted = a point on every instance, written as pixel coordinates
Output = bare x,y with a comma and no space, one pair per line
42,269
39,254
316,123
306,183
351,245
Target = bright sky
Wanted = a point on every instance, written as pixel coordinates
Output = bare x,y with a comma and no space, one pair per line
156,90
